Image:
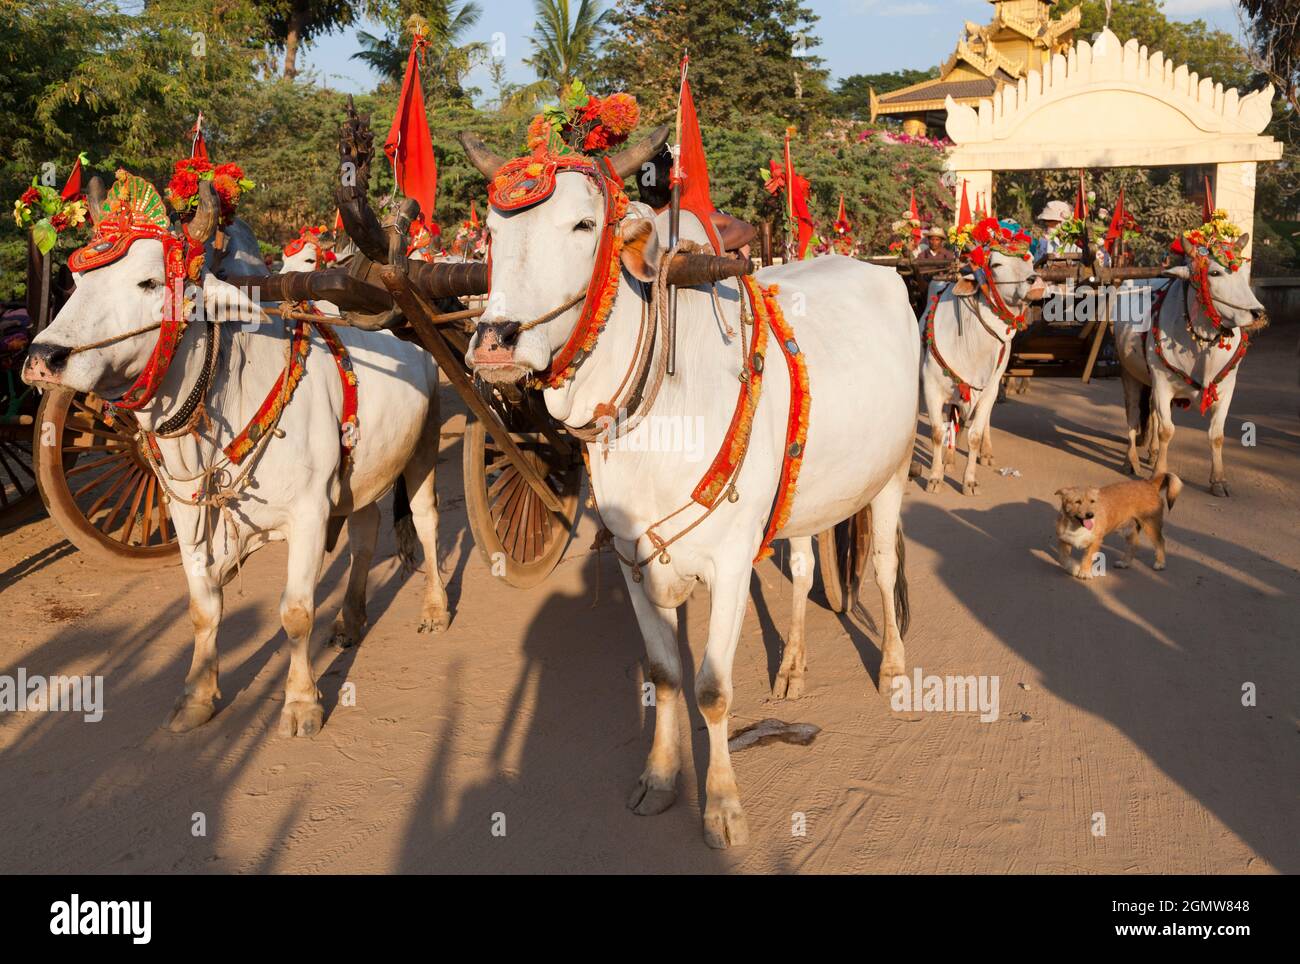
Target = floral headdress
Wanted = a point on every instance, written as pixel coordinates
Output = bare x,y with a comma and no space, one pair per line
975,242
228,181
584,123
48,213
1216,239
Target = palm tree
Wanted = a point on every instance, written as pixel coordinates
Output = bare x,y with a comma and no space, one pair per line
563,45
447,59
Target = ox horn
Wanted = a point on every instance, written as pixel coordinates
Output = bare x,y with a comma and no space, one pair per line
448,279
203,225
480,156
95,199
689,270
630,159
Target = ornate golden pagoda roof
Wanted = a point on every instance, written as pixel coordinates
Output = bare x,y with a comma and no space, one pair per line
1020,37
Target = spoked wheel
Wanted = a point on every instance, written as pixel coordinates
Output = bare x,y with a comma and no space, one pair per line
100,490
519,538
18,494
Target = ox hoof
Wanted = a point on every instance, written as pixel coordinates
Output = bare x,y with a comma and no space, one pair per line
435,622
300,718
1159,564
1220,489
933,485
787,686
725,825
189,714
985,460
887,673
1133,471
970,488
652,795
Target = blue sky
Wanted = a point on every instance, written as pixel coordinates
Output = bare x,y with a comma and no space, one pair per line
858,36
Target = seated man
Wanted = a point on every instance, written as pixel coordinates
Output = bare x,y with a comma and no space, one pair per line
936,248
735,234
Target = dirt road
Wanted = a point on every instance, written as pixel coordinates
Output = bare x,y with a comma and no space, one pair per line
1120,700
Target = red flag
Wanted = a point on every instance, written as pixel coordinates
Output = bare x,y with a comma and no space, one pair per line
963,216
796,192
1207,208
409,146
915,215
789,178
692,170
338,220
842,225
1080,201
198,146
473,214
1116,229
73,186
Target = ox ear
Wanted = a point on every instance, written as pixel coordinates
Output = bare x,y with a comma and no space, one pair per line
641,250
223,302
965,286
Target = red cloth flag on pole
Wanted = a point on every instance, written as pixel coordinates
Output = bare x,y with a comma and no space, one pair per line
72,188
912,213
473,215
1207,209
1116,229
842,225
409,146
789,178
963,215
692,170
198,146
1080,201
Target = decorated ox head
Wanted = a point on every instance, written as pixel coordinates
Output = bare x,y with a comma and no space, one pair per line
997,262
1212,267
137,285
560,232
305,252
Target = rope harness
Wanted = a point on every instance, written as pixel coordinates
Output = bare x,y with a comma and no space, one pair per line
1209,392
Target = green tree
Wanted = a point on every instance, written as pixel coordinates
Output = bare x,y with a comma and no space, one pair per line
852,97
563,45
447,59
747,60
293,24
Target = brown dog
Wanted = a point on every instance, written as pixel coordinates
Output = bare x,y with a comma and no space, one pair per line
1088,515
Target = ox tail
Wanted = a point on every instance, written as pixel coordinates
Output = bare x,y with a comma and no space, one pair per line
404,528
902,604
1144,417
1170,484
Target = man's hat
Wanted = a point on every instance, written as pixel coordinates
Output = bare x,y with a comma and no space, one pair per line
1056,211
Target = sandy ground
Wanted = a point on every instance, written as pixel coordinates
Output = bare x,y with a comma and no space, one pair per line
1120,698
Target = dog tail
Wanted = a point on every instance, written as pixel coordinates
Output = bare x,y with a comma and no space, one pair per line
1170,485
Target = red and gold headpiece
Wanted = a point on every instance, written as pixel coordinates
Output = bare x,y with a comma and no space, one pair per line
132,210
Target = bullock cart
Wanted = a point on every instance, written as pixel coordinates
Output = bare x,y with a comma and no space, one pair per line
522,471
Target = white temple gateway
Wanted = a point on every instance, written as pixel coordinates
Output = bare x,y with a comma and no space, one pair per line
1112,104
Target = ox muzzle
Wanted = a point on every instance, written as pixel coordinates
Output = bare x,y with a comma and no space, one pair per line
45,365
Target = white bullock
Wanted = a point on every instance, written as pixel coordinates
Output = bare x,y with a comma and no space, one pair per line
855,328
1185,355
967,339
300,487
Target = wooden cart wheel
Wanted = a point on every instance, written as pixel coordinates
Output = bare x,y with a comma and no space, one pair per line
101,492
519,538
18,494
